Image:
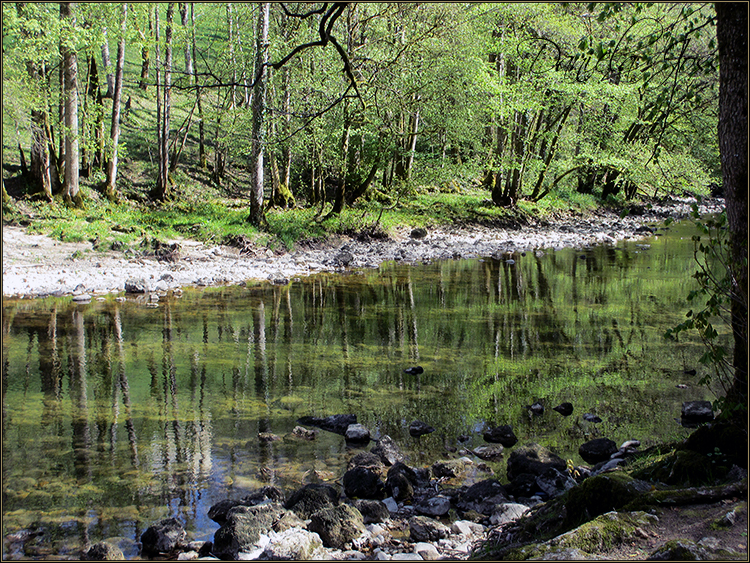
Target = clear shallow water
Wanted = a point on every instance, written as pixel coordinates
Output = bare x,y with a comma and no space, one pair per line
117,414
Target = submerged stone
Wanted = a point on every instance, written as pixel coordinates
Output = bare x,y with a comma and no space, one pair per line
163,537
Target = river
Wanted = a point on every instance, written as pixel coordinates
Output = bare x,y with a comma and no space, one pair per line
117,413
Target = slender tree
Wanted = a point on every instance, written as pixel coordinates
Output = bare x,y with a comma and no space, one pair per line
188,50
161,192
107,65
257,216
110,189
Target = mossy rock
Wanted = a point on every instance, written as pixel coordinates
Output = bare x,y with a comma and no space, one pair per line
685,468
602,534
605,532
680,550
598,495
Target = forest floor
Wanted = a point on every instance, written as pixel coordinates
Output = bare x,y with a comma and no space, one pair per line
696,522
36,265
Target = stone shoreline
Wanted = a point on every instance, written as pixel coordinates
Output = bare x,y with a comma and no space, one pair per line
38,266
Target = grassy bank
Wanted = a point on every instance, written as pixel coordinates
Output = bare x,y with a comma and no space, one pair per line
201,213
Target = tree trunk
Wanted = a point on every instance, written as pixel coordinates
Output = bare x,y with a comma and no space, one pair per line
188,52
198,96
286,151
338,201
70,76
146,55
39,166
114,135
161,192
731,34
412,143
256,216
232,61
106,65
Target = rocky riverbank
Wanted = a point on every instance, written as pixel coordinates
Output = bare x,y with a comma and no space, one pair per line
36,266
383,509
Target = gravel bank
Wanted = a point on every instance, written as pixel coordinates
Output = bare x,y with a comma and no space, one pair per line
36,266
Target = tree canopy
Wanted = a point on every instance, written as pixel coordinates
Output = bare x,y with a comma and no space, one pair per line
363,100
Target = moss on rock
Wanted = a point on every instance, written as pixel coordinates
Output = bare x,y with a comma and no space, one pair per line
600,494
600,535
685,468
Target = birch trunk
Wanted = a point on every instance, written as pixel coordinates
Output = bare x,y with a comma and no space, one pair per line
259,109
117,97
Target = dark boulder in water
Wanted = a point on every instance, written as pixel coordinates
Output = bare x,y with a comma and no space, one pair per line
419,428
565,409
501,435
337,423
596,450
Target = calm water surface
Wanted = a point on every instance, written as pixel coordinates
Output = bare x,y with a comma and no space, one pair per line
117,414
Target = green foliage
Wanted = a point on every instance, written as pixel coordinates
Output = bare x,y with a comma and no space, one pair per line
537,90
710,316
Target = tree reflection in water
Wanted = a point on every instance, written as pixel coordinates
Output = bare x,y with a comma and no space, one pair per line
116,414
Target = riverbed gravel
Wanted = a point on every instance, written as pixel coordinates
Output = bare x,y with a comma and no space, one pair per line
38,266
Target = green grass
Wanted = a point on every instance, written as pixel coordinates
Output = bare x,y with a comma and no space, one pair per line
196,214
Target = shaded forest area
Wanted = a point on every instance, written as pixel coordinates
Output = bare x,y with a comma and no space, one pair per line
329,106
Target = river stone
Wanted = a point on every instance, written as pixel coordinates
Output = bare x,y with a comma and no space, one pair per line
390,504
336,423
534,459
434,506
338,525
244,527
489,453
103,551
372,510
731,440
600,494
501,435
401,481
508,512
695,412
450,468
424,528
596,450
136,285
218,512
294,544
303,433
366,459
288,520
482,497
388,451
311,498
363,482
426,551
418,428
163,537
680,550
357,434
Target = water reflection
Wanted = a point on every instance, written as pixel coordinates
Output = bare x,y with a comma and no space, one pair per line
117,414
